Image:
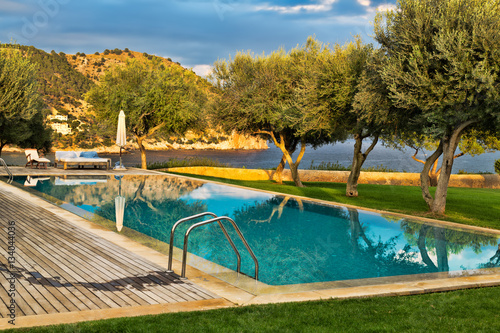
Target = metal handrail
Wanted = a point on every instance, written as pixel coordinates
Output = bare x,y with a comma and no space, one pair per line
218,219
11,177
186,219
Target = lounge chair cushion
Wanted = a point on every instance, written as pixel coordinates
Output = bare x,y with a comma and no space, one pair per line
89,154
66,154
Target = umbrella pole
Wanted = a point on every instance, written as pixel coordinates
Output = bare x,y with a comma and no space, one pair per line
121,165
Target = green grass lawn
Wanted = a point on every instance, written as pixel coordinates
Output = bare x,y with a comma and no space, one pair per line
473,310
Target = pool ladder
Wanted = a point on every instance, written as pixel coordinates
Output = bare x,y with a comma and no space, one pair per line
219,220
8,171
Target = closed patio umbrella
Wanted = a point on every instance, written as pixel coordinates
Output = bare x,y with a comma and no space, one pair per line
121,137
120,211
119,205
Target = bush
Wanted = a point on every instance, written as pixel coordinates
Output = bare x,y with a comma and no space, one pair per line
338,167
189,162
497,166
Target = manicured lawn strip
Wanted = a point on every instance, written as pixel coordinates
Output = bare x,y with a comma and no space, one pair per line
473,310
473,206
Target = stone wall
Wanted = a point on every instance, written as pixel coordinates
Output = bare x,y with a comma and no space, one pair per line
382,178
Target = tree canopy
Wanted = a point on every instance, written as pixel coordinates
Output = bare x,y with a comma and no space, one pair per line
442,72
21,107
267,95
155,98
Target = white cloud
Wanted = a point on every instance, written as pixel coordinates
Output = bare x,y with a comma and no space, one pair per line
321,6
13,7
380,8
385,7
215,191
202,70
365,3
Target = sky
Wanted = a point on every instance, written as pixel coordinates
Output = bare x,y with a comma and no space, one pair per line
195,33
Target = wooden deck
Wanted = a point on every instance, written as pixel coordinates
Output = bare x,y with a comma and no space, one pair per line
60,267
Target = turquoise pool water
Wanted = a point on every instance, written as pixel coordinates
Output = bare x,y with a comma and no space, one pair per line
295,241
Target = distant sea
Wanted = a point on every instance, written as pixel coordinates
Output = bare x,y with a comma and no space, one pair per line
340,153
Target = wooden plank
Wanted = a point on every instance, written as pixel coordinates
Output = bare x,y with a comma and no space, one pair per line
91,269
78,261
72,272
94,273
172,283
48,303
46,268
156,298
60,296
148,280
38,250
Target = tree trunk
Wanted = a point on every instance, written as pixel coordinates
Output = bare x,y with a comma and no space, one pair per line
423,249
441,251
290,147
278,175
425,178
355,229
357,162
294,166
139,139
449,145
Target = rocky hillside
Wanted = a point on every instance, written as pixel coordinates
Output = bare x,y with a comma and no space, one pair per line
65,78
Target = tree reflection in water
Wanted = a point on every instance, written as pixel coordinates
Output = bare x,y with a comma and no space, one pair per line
307,242
441,242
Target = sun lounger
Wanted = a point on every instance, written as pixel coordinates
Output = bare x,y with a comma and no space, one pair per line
81,159
35,160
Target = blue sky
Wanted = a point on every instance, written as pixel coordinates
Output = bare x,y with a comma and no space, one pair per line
194,32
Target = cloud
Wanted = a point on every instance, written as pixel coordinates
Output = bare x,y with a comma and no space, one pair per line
202,70
195,32
221,192
319,6
377,5
13,7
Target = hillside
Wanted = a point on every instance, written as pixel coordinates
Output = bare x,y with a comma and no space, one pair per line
65,78
93,66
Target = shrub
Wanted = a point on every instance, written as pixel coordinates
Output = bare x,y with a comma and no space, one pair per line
497,166
329,166
174,162
338,167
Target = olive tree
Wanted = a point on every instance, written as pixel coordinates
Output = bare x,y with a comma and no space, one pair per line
154,98
349,101
472,143
442,70
21,107
261,95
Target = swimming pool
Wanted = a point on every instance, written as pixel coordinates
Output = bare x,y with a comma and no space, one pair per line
296,241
